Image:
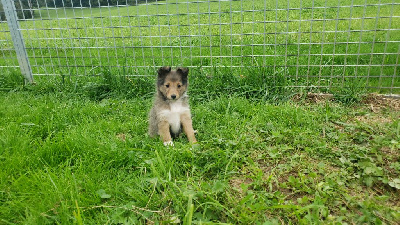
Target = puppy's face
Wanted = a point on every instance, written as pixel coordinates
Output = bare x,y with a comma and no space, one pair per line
172,84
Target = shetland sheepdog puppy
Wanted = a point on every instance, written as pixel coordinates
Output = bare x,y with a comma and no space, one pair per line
171,113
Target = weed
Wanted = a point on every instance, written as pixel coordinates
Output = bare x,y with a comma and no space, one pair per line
11,80
352,93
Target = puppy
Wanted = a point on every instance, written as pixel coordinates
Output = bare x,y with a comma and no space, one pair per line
171,113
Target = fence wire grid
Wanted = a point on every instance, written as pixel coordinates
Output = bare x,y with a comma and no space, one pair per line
314,43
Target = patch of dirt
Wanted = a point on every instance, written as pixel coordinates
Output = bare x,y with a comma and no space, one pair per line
121,137
391,155
390,151
376,119
235,183
377,102
373,119
313,97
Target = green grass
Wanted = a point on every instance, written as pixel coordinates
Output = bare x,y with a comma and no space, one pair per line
138,27
76,152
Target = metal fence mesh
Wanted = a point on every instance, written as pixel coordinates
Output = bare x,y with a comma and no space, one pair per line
319,43
8,58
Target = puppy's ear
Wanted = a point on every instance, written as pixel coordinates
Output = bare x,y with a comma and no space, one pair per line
163,71
184,72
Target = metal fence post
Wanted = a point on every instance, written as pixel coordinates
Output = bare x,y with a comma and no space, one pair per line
19,45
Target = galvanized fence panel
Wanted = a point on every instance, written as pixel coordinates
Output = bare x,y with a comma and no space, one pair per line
8,57
318,43
12,18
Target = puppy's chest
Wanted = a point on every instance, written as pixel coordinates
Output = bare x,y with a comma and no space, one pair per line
178,108
173,115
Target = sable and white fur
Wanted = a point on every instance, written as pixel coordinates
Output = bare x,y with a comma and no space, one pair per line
171,113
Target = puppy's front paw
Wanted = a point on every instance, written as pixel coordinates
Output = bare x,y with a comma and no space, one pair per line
196,146
168,143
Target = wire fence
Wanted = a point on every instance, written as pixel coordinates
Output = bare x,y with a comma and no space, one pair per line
316,43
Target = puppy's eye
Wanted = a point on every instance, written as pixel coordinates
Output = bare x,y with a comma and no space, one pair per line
167,85
179,86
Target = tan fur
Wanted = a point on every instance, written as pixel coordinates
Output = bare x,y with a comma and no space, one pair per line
171,110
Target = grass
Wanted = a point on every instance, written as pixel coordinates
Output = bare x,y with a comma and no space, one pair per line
134,40
76,152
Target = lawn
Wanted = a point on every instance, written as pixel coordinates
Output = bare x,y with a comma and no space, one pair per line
314,43
79,154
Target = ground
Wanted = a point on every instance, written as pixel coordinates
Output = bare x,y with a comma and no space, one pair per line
68,159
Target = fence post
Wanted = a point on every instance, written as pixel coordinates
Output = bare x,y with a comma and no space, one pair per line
19,45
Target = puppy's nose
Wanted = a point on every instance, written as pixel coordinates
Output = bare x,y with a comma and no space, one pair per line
173,96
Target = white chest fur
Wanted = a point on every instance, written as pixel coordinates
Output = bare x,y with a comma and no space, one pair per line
173,116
